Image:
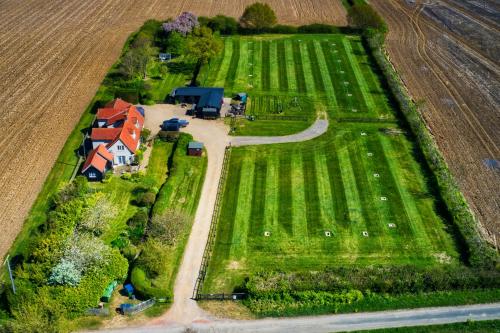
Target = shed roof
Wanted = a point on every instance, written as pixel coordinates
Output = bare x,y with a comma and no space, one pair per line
195,145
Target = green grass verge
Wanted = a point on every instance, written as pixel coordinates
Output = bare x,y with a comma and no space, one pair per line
488,326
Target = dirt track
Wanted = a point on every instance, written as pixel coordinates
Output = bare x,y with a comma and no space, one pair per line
459,81
54,54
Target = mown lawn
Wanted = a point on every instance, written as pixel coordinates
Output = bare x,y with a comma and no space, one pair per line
354,196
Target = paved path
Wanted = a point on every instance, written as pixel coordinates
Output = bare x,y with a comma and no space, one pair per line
319,127
336,323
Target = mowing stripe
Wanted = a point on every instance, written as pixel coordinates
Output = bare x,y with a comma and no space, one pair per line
251,63
299,206
243,208
313,210
222,74
336,78
359,76
371,218
377,190
290,71
329,89
258,198
308,72
285,193
257,65
408,202
213,69
316,70
271,209
242,80
337,187
233,65
266,66
283,76
228,210
324,191
298,66
273,66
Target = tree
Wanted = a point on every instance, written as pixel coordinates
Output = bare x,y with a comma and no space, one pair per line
65,273
167,227
183,24
98,214
135,62
258,16
152,258
176,43
363,16
203,44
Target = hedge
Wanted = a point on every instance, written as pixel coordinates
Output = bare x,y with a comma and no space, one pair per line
145,289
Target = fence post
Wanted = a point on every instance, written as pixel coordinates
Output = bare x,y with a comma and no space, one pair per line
10,274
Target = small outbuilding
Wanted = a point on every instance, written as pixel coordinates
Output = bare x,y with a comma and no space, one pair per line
207,102
195,148
165,57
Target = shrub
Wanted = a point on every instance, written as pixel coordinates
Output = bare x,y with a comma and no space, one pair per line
183,24
318,28
126,176
226,25
152,259
146,199
144,287
168,136
75,189
145,133
363,16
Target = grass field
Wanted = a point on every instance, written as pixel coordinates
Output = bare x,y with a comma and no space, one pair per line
489,326
355,196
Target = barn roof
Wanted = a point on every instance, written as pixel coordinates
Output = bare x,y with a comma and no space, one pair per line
209,97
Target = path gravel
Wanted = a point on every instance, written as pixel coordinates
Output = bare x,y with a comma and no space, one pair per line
319,127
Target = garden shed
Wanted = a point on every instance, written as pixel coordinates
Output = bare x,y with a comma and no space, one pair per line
195,148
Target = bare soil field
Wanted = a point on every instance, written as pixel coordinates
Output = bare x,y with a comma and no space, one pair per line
53,56
447,53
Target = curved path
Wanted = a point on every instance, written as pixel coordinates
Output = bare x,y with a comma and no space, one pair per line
214,135
319,127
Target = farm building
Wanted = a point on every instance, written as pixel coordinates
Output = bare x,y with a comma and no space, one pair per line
117,131
207,101
195,148
165,57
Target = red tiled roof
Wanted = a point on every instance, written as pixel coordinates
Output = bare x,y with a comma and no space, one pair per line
98,158
104,134
118,103
119,110
126,136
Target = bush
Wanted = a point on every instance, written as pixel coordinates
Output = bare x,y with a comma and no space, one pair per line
363,16
225,25
318,29
152,259
146,199
126,176
145,133
144,287
168,136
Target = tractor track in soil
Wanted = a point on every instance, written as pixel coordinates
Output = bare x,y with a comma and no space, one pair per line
448,73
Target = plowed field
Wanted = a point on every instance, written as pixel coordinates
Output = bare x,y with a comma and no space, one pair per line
53,56
447,55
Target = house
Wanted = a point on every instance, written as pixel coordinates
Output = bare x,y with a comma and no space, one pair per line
117,130
195,148
207,101
98,162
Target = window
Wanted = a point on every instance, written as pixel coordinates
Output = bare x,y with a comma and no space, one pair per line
121,147
92,175
121,160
